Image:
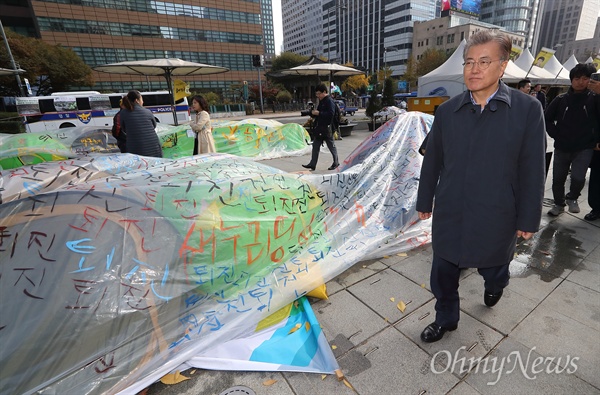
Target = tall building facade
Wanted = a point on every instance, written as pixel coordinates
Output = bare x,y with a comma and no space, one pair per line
302,22
566,21
108,31
518,16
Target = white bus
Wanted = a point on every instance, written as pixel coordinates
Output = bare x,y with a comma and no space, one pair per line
91,108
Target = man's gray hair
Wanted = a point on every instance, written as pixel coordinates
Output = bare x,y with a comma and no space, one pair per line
486,36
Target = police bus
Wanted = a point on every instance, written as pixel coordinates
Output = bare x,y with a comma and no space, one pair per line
91,108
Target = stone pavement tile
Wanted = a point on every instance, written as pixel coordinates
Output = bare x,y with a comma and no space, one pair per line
377,290
587,274
555,335
354,274
577,302
215,382
391,260
532,283
463,389
471,335
503,317
315,384
510,369
556,249
346,321
594,256
389,363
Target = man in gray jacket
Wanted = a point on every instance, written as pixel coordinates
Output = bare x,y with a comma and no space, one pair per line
485,168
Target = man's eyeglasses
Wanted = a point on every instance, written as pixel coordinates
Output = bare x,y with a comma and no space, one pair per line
483,63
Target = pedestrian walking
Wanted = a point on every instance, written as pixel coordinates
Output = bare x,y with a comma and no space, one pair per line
572,121
484,167
322,131
594,182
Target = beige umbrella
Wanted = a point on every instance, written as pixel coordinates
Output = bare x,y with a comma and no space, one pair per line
167,67
331,69
10,71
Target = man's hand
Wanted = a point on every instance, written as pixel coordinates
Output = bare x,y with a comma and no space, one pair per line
424,216
525,235
594,86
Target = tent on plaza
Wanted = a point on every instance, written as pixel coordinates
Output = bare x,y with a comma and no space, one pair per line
556,68
570,63
513,73
537,74
446,80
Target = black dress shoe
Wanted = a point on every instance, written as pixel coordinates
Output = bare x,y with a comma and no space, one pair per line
309,167
434,332
491,299
334,166
592,215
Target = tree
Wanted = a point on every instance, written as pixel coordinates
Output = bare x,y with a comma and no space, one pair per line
49,68
355,83
410,74
287,60
388,93
431,60
283,96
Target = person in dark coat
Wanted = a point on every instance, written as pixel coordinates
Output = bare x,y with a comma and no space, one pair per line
484,167
322,131
572,121
139,125
117,132
594,182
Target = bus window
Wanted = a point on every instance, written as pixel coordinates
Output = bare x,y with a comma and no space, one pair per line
47,105
83,103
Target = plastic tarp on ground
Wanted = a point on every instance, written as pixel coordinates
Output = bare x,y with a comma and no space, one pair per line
117,269
253,138
446,80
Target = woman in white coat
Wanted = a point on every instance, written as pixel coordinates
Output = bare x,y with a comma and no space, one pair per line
200,124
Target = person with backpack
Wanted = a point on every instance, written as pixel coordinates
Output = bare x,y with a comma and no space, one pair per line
572,121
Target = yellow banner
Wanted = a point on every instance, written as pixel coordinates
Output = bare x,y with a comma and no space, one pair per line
180,89
515,52
543,57
596,63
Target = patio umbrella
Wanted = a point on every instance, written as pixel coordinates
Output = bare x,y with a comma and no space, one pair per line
331,69
10,71
167,67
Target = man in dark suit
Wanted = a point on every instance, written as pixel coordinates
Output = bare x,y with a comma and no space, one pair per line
540,95
485,169
322,131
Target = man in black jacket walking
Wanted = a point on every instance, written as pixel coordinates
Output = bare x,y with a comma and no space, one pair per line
322,131
572,121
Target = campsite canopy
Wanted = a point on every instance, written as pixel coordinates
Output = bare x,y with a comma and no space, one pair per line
446,80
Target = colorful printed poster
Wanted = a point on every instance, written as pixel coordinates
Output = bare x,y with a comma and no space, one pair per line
543,57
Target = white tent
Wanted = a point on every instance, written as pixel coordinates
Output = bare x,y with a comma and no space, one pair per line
589,60
571,62
554,67
537,74
446,80
513,73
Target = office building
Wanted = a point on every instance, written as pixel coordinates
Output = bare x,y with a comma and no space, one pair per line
224,33
567,21
518,16
446,33
302,22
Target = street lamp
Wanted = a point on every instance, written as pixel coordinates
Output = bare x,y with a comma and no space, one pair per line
385,64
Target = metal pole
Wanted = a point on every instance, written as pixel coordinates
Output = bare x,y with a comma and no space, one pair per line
12,61
260,91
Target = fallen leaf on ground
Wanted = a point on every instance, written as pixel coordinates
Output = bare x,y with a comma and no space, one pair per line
402,254
323,376
393,299
173,378
333,347
295,328
348,384
422,285
269,382
401,306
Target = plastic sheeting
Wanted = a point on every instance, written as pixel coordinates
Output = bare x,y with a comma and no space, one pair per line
254,138
117,269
